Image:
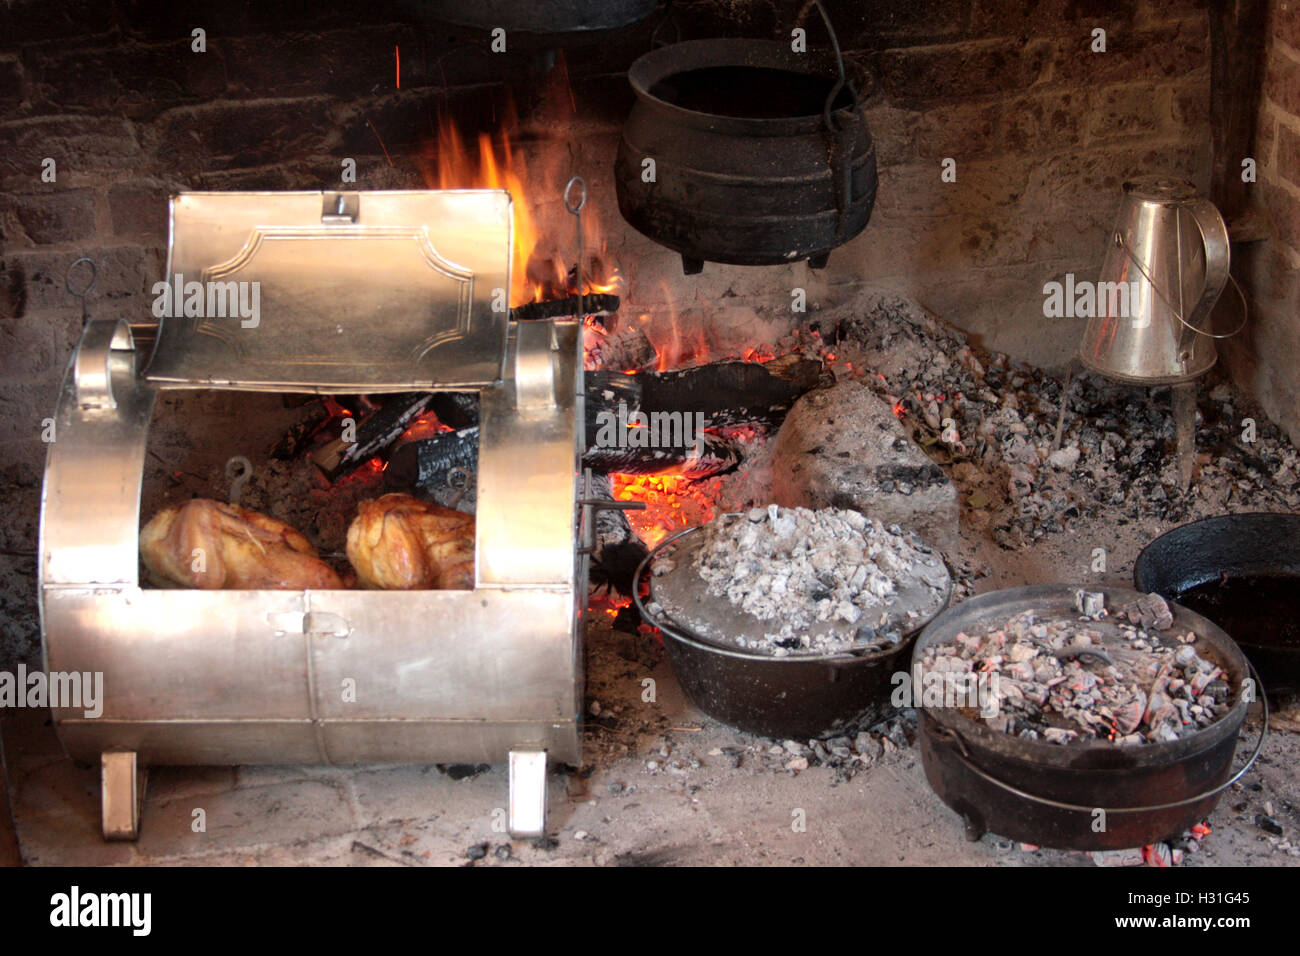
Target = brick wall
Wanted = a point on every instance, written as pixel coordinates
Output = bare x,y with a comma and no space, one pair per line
1042,130
1266,357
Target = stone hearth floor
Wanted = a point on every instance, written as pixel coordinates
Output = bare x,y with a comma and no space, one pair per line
657,786
650,793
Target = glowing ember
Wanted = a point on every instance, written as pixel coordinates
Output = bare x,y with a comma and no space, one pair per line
426,426
672,503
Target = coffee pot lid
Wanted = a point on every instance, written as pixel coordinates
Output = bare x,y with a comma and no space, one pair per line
1163,189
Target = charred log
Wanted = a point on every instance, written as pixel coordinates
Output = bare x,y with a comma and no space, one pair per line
299,438
617,551
594,304
726,394
374,433
438,462
625,348
713,456
455,409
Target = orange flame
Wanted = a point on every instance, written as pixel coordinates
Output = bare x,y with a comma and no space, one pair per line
542,226
492,168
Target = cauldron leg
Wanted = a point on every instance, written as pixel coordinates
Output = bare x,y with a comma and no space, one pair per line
121,794
692,266
527,817
819,261
973,821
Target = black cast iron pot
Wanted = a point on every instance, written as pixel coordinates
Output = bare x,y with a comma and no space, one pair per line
734,154
1243,572
1050,795
786,698
531,16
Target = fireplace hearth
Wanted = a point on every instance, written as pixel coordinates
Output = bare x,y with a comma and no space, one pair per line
757,331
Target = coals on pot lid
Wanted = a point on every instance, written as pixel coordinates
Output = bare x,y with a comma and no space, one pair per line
1124,675
785,581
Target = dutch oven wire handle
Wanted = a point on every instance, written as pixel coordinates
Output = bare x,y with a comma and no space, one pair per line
962,753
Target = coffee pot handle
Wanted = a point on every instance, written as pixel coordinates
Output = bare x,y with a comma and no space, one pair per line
1218,258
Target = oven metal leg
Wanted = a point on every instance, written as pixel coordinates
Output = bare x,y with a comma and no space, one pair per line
122,785
527,817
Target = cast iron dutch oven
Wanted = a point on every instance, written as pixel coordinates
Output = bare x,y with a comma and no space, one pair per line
787,698
1087,796
1243,572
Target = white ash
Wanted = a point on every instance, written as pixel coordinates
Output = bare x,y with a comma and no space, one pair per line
796,567
1131,681
1115,460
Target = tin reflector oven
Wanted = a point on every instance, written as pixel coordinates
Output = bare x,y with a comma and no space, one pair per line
360,292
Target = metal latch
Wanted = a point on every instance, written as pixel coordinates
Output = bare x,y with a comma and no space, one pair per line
313,623
534,366
341,208
93,366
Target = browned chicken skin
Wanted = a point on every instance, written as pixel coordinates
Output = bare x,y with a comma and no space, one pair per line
399,542
210,545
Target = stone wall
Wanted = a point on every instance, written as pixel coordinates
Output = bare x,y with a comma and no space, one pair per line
1042,131
1266,357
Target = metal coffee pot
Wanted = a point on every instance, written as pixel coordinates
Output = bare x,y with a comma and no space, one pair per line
1165,266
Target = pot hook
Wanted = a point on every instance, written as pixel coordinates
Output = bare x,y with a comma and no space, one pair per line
78,291
574,206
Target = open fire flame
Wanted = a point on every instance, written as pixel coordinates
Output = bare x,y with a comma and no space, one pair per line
544,257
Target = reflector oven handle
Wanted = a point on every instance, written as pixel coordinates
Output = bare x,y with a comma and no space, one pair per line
93,370
962,755
315,623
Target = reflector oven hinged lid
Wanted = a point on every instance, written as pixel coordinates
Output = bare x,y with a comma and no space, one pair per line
335,291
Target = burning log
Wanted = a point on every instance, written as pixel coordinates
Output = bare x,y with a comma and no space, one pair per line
433,463
617,550
374,433
730,394
626,348
592,304
713,456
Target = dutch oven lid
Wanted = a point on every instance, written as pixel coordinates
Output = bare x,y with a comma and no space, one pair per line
334,291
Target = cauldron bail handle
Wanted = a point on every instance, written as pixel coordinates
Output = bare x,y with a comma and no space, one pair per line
964,758
841,166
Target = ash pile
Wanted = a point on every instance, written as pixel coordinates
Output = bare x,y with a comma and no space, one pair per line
992,424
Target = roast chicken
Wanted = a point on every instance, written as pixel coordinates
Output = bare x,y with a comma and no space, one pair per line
399,542
210,545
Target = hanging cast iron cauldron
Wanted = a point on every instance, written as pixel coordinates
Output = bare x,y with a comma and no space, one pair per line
529,16
745,152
